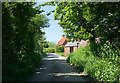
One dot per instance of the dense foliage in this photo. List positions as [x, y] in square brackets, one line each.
[59, 49]
[46, 45]
[103, 69]
[50, 50]
[22, 39]
[95, 20]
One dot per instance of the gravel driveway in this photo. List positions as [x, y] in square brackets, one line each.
[54, 68]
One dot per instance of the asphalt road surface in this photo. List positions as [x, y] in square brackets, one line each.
[54, 68]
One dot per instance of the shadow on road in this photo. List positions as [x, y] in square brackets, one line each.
[54, 68]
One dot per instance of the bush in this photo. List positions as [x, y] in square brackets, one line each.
[50, 50]
[22, 69]
[105, 68]
[78, 59]
[59, 49]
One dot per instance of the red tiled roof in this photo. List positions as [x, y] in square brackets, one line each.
[62, 42]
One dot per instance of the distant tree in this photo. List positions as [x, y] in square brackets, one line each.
[38, 22]
[52, 44]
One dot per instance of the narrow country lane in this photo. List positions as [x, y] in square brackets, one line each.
[55, 68]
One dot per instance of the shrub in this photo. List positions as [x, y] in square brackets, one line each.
[22, 69]
[59, 49]
[50, 50]
[102, 68]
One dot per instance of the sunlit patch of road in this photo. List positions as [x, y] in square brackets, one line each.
[54, 57]
[55, 68]
[69, 74]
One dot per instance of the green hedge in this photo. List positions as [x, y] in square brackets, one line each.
[50, 50]
[21, 70]
[105, 68]
[59, 49]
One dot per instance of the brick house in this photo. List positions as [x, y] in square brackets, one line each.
[73, 46]
[62, 41]
[70, 47]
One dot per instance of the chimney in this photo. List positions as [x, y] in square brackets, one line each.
[63, 36]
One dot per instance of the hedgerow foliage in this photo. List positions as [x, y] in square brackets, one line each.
[21, 45]
[59, 49]
[50, 50]
[103, 68]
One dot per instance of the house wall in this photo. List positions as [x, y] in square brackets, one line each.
[83, 43]
[67, 50]
[74, 49]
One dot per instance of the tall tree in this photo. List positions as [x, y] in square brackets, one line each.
[89, 20]
[21, 29]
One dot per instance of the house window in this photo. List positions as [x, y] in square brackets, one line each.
[71, 49]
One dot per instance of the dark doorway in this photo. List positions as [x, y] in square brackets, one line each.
[71, 49]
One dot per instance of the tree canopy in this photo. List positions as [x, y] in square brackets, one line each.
[22, 39]
[89, 20]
